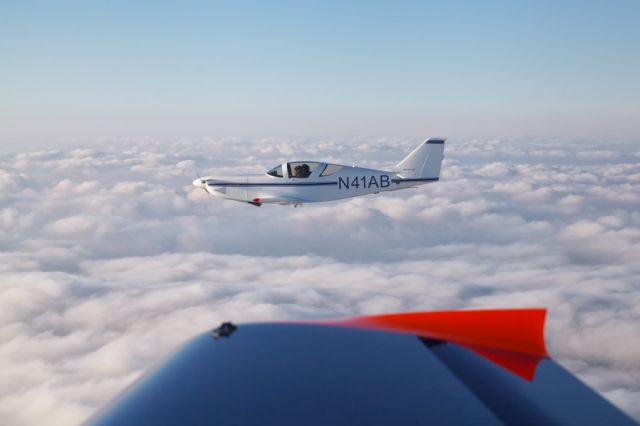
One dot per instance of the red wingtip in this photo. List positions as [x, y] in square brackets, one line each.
[515, 330]
[512, 338]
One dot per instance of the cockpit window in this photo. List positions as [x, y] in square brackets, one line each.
[301, 169]
[330, 169]
[276, 171]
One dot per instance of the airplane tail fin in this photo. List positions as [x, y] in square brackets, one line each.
[424, 162]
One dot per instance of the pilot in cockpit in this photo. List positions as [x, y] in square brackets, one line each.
[301, 171]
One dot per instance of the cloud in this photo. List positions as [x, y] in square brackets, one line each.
[111, 258]
[70, 225]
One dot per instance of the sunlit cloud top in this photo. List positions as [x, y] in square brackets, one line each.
[111, 258]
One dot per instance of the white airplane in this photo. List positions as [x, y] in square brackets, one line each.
[298, 182]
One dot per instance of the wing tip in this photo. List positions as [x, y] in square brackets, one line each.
[514, 330]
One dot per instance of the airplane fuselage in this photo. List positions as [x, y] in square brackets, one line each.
[298, 182]
[348, 182]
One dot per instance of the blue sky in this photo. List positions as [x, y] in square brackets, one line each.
[318, 69]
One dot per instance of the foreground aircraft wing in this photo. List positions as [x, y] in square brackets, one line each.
[434, 368]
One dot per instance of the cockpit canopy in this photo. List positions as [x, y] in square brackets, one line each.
[276, 171]
[304, 169]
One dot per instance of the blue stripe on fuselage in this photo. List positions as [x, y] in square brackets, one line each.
[308, 183]
[414, 180]
[272, 184]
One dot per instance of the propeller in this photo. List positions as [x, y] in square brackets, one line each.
[202, 181]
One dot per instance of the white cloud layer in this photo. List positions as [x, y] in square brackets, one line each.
[110, 259]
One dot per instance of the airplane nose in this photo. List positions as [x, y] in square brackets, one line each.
[199, 183]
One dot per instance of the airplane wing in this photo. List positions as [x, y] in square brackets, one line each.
[455, 367]
[284, 201]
